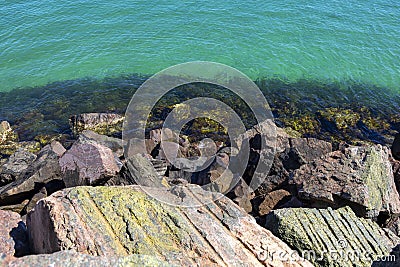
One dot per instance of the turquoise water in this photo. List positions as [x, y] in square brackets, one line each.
[46, 41]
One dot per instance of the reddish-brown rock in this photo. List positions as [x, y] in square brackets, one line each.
[88, 163]
[361, 177]
[119, 221]
[264, 204]
[13, 238]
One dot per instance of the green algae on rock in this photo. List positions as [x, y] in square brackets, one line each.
[329, 237]
[75, 259]
[121, 221]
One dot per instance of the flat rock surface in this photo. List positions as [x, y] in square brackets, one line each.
[120, 221]
[75, 259]
[321, 235]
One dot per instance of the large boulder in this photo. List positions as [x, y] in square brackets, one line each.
[101, 123]
[44, 171]
[75, 259]
[115, 144]
[329, 237]
[88, 163]
[13, 235]
[119, 221]
[361, 177]
[16, 166]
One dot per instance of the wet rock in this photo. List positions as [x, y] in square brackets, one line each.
[116, 221]
[115, 144]
[16, 166]
[361, 177]
[396, 147]
[45, 170]
[74, 259]
[264, 204]
[101, 123]
[13, 235]
[8, 139]
[322, 235]
[88, 163]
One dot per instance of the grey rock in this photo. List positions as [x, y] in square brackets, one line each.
[16, 166]
[43, 171]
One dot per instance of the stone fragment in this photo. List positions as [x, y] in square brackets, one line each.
[264, 204]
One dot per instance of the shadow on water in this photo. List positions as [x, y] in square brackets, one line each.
[335, 111]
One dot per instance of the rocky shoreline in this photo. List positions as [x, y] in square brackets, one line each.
[77, 198]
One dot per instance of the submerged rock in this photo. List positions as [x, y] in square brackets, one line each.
[331, 237]
[101, 123]
[120, 221]
[8, 139]
[361, 177]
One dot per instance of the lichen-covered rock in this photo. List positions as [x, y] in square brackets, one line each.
[101, 123]
[120, 221]
[88, 163]
[74, 259]
[361, 177]
[8, 139]
[13, 236]
[331, 237]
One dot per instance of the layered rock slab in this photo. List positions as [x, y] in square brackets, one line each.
[330, 237]
[75, 259]
[120, 221]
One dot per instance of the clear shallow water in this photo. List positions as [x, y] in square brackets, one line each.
[46, 41]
